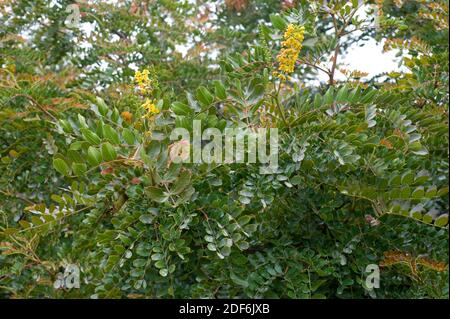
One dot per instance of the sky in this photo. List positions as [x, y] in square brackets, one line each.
[369, 58]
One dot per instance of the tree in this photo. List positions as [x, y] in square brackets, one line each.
[89, 177]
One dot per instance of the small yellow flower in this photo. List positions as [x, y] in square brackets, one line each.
[143, 80]
[150, 108]
[291, 47]
[13, 153]
[279, 75]
[11, 68]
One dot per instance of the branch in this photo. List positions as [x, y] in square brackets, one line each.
[40, 107]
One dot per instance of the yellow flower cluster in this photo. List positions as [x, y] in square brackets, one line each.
[143, 80]
[291, 46]
[150, 108]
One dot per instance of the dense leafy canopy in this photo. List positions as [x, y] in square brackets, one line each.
[86, 177]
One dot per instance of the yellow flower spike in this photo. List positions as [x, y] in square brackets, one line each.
[291, 47]
[150, 108]
[143, 80]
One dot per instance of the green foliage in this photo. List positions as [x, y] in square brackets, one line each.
[86, 177]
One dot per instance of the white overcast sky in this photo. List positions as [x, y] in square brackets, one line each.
[370, 58]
